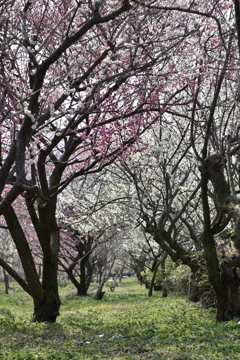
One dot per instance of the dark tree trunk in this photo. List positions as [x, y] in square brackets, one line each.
[164, 290]
[210, 253]
[223, 278]
[103, 274]
[99, 294]
[47, 308]
[155, 269]
[81, 291]
[231, 283]
[85, 278]
[193, 289]
[154, 273]
[83, 285]
[80, 286]
[164, 287]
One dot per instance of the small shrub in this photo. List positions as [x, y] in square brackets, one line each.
[178, 279]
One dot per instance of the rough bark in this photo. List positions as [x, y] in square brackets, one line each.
[223, 277]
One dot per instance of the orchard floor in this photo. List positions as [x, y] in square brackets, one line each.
[126, 324]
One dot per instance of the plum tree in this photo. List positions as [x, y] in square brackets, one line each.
[80, 82]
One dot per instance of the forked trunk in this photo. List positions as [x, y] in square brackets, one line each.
[80, 286]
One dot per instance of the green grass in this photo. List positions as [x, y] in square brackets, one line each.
[126, 324]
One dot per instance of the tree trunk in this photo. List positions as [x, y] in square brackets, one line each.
[82, 285]
[224, 278]
[47, 308]
[45, 294]
[154, 273]
[210, 253]
[82, 289]
[193, 292]
[103, 274]
[231, 283]
[164, 290]
[155, 269]
[164, 287]
[99, 294]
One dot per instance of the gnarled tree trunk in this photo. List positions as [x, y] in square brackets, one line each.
[223, 277]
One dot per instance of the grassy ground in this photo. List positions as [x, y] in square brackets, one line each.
[126, 324]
